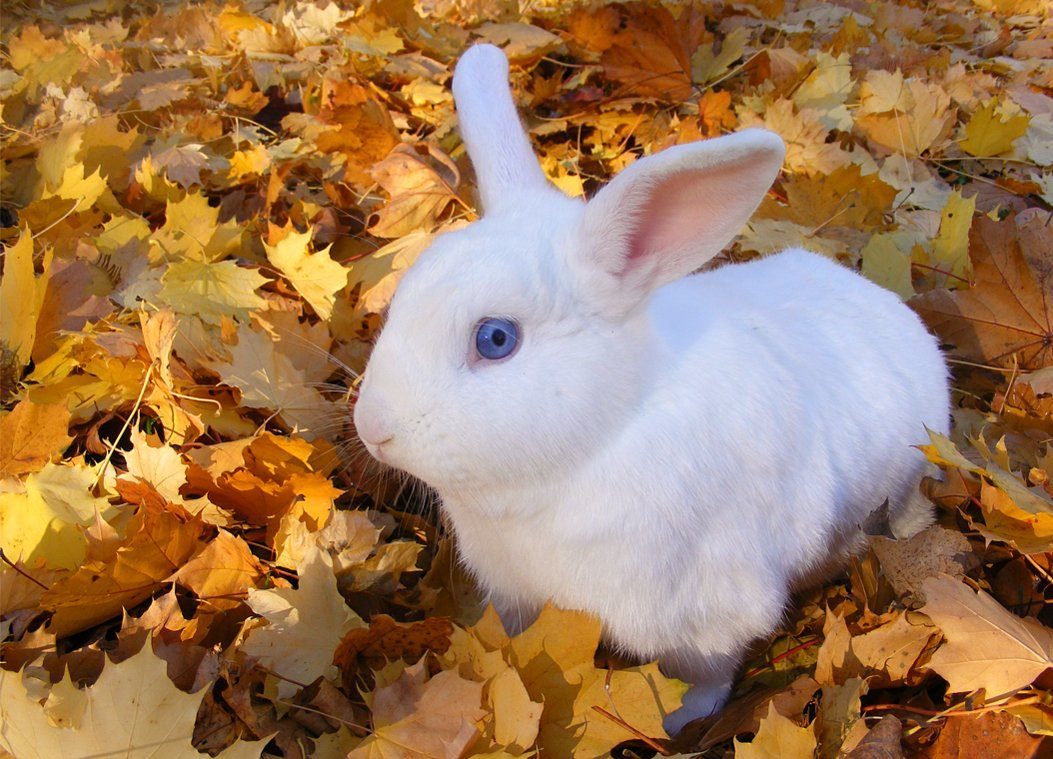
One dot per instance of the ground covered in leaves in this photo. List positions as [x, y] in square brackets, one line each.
[205, 210]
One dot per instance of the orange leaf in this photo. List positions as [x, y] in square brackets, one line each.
[161, 538]
[30, 435]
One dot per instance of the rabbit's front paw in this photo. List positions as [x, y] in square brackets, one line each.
[700, 701]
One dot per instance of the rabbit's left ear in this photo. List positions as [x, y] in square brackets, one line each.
[668, 214]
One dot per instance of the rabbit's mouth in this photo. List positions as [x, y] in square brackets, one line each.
[378, 451]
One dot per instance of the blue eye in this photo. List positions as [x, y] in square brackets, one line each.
[496, 338]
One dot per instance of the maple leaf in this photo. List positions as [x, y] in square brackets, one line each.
[423, 719]
[159, 540]
[75, 296]
[933, 551]
[304, 626]
[651, 54]
[21, 298]
[30, 435]
[827, 89]
[246, 164]
[807, 149]
[386, 640]
[991, 734]
[159, 466]
[778, 738]
[420, 190]
[133, 710]
[182, 164]
[316, 276]
[986, 646]
[886, 260]
[269, 379]
[989, 133]
[222, 572]
[42, 524]
[950, 249]
[192, 230]
[554, 658]
[211, 290]
[1006, 311]
[892, 650]
[906, 116]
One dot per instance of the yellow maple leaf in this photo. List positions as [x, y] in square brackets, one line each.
[986, 646]
[421, 185]
[990, 132]
[316, 276]
[58, 154]
[554, 659]
[304, 625]
[269, 379]
[159, 466]
[211, 290]
[85, 190]
[886, 261]
[159, 540]
[916, 115]
[21, 297]
[192, 230]
[249, 163]
[778, 737]
[42, 524]
[950, 249]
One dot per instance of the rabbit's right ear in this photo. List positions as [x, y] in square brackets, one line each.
[666, 215]
[504, 160]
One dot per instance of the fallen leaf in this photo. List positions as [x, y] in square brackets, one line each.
[160, 539]
[882, 741]
[21, 298]
[421, 183]
[990, 133]
[933, 551]
[778, 738]
[986, 646]
[430, 719]
[133, 710]
[316, 276]
[304, 626]
[992, 734]
[1005, 313]
[31, 435]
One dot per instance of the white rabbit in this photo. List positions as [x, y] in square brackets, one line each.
[673, 453]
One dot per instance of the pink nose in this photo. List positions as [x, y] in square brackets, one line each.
[373, 420]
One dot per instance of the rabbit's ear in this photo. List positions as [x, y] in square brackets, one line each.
[667, 214]
[504, 161]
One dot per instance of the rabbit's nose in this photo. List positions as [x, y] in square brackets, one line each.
[373, 420]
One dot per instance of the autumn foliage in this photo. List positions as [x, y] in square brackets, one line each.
[206, 209]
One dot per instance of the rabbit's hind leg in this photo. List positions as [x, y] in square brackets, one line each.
[711, 677]
[912, 512]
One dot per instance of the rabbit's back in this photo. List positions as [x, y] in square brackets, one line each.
[786, 395]
[798, 391]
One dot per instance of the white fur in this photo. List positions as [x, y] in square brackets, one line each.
[673, 453]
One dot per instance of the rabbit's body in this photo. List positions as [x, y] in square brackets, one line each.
[673, 453]
[824, 414]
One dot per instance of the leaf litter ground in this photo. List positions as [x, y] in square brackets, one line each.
[205, 211]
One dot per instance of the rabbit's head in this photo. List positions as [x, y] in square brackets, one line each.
[518, 346]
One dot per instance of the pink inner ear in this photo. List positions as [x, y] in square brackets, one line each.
[684, 214]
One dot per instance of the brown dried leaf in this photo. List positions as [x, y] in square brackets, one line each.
[1007, 314]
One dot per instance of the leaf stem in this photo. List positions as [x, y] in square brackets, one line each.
[651, 742]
